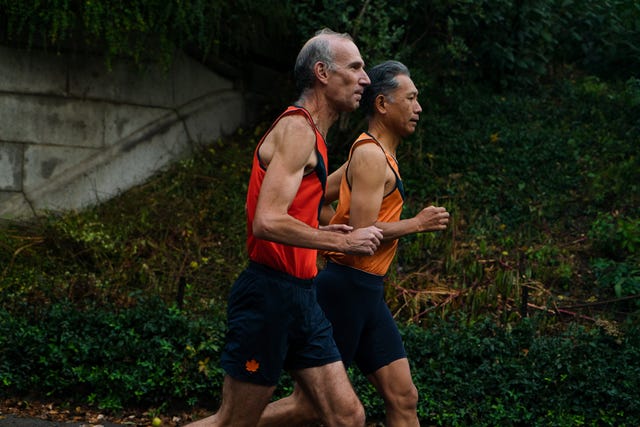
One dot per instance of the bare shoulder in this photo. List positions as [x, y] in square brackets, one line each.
[290, 131]
[293, 126]
[370, 153]
[368, 165]
[292, 140]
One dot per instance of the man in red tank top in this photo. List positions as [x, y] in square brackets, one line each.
[350, 288]
[274, 320]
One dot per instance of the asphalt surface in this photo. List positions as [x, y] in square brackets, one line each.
[13, 421]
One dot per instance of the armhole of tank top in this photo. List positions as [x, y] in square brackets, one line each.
[372, 140]
[303, 111]
[369, 140]
[300, 111]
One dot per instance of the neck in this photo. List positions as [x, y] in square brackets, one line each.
[388, 140]
[323, 116]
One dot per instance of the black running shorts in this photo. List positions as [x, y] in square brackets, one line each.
[274, 323]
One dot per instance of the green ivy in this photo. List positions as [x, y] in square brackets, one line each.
[147, 354]
[507, 42]
[467, 373]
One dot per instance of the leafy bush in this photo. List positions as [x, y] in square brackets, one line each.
[542, 185]
[144, 30]
[616, 263]
[615, 236]
[507, 43]
[467, 373]
[483, 375]
[504, 42]
[186, 239]
[109, 357]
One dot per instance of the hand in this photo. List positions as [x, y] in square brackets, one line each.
[363, 241]
[432, 218]
[338, 228]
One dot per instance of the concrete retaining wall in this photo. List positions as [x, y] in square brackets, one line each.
[73, 133]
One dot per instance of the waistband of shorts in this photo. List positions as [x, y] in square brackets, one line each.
[359, 275]
[256, 267]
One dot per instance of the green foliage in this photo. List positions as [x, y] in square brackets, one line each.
[623, 277]
[615, 236]
[187, 237]
[506, 42]
[616, 263]
[142, 30]
[541, 226]
[524, 177]
[486, 375]
[542, 186]
[467, 373]
[519, 150]
[148, 354]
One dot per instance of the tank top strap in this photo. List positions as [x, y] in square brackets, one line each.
[366, 138]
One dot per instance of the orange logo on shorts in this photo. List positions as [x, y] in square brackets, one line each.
[252, 365]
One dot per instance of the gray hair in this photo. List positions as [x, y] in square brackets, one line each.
[316, 49]
[383, 82]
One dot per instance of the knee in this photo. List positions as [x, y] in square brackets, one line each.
[404, 400]
[359, 417]
[351, 416]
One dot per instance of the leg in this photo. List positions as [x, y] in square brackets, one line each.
[293, 410]
[242, 404]
[400, 395]
[330, 390]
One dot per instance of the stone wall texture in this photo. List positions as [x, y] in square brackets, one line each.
[74, 133]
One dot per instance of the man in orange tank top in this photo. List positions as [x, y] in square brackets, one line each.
[350, 288]
[274, 320]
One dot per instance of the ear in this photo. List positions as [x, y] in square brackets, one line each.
[380, 104]
[321, 71]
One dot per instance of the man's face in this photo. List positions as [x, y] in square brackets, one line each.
[403, 107]
[347, 78]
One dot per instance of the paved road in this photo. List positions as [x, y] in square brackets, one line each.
[13, 421]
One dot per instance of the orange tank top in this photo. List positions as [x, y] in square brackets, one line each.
[293, 260]
[390, 211]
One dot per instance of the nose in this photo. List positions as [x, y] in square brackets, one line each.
[418, 108]
[364, 79]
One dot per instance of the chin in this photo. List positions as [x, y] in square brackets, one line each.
[353, 107]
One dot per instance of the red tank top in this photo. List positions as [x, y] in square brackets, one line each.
[296, 261]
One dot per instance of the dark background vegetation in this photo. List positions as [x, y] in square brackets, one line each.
[524, 312]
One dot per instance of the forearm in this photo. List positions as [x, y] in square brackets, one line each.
[430, 218]
[395, 230]
[291, 231]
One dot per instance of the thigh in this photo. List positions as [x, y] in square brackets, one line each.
[329, 388]
[393, 379]
[242, 403]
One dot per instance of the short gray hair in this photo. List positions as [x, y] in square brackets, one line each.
[317, 49]
[383, 82]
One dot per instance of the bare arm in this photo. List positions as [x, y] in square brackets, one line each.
[368, 189]
[431, 218]
[293, 144]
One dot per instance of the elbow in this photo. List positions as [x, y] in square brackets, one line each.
[261, 229]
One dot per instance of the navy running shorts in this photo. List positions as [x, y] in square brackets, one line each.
[274, 323]
[363, 327]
